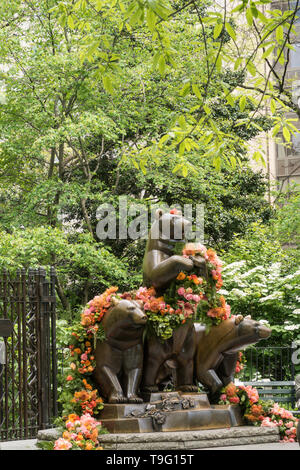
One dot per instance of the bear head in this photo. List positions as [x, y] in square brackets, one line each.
[170, 226]
[129, 310]
[250, 331]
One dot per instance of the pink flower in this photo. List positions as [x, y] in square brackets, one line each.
[268, 423]
[189, 296]
[84, 357]
[196, 298]
[234, 399]
[62, 444]
[223, 397]
[181, 291]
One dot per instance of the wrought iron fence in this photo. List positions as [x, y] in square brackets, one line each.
[28, 373]
[272, 363]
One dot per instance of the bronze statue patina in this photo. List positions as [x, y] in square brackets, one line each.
[160, 267]
[161, 264]
[217, 350]
[119, 358]
[174, 354]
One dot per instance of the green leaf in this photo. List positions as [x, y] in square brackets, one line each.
[268, 52]
[249, 17]
[151, 19]
[238, 62]
[251, 68]
[217, 30]
[107, 83]
[162, 64]
[230, 99]
[286, 134]
[242, 102]
[230, 31]
[219, 63]
[279, 33]
[273, 106]
[70, 22]
[185, 89]
[196, 91]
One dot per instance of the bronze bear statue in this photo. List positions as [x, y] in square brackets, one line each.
[217, 350]
[161, 265]
[119, 358]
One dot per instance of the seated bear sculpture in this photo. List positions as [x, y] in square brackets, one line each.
[119, 358]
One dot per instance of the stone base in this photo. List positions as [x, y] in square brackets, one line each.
[167, 412]
[241, 435]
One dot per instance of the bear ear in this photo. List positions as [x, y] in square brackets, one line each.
[140, 304]
[114, 300]
[238, 319]
[158, 213]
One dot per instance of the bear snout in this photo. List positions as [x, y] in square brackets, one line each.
[139, 318]
[264, 332]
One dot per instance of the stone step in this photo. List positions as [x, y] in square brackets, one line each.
[242, 435]
[201, 439]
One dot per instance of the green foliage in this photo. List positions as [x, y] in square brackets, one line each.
[212, 35]
[83, 266]
[260, 280]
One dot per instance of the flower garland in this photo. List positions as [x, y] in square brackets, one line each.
[190, 297]
[81, 433]
[260, 413]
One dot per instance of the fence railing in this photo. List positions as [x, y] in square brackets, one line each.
[28, 371]
[274, 363]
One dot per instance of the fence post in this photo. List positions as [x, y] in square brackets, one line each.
[53, 339]
[44, 348]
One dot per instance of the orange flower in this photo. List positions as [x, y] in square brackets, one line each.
[180, 276]
[77, 350]
[89, 446]
[87, 386]
[72, 417]
[230, 390]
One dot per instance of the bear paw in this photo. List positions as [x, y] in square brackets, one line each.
[134, 399]
[117, 398]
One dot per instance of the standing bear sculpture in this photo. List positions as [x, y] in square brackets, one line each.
[119, 358]
[217, 350]
[161, 266]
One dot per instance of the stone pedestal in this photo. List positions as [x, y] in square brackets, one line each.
[165, 412]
